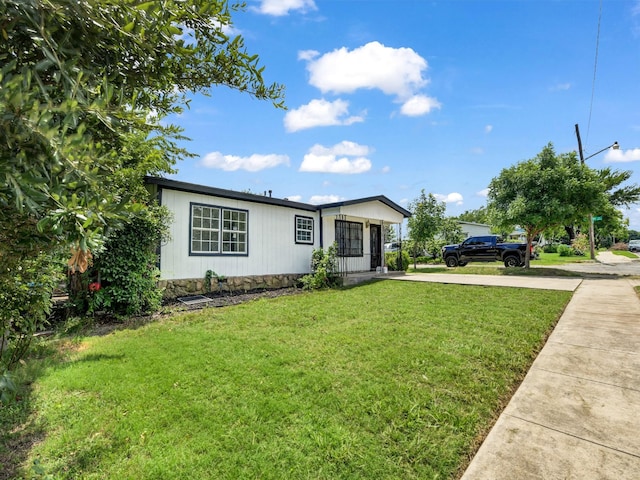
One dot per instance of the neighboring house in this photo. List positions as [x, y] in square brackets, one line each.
[470, 229]
[256, 241]
[518, 235]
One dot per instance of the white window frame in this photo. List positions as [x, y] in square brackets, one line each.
[304, 229]
[224, 230]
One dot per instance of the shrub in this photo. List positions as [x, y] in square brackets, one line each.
[550, 248]
[580, 244]
[324, 268]
[434, 247]
[565, 251]
[7, 388]
[605, 242]
[124, 277]
[26, 286]
[425, 260]
[620, 246]
[391, 260]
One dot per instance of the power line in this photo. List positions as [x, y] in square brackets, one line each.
[595, 71]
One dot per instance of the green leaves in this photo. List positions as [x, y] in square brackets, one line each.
[544, 192]
[427, 216]
[78, 83]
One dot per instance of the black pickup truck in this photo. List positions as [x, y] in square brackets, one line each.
[486, 248]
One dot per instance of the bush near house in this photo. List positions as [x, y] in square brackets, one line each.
[25, 303]
[391, 260]
[123, 279]
[324, 268]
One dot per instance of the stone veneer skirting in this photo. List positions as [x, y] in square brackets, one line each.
[195, 286]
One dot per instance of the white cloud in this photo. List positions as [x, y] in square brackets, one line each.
[483, 193]
[326, 159]
[319, 113]
[320, 199]
[386, 169]
[488, 128]
[419, 105]
[453, 197]
[253, 163]
[394, 71]
[294, 198]
[307, 54]
[559, 87]
[622, 156]
[278, 8]
[477, 150]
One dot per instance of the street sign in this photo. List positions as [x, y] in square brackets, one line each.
[596, 219]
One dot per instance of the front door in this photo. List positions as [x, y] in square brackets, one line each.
[376, 246]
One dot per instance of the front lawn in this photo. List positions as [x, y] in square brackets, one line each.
[384, 380]
[555, 259]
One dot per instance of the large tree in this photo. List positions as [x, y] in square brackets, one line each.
[479, 215]
[83, 85]
[78, 78]
[544, 192]
[618, 195]
[427, 216]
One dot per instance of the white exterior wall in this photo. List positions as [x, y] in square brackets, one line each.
[370, 213]
[474, 229]
[270, 234]
[349, 264]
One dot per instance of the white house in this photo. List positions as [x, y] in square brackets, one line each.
[256, 241]
[471, 229]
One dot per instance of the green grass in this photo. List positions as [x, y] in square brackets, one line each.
[625, 253]
[555, 259]
[385, 380]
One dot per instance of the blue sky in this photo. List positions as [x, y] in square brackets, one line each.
[392, 97]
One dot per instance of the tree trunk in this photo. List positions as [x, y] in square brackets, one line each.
[571, 231]
[527, 254]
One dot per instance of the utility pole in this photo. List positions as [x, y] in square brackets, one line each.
[615, 146]
[592, 236]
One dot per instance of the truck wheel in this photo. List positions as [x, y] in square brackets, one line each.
[462, 264]
[512, 261]
[451, 261]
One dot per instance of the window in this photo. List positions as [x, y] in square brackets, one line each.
[217, 230]
[349, 238]
[304, 229]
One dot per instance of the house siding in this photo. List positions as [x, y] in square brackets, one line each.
[470, 229]
[271, 241]
[368, 214]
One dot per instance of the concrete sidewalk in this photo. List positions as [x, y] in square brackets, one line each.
[576, 415]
